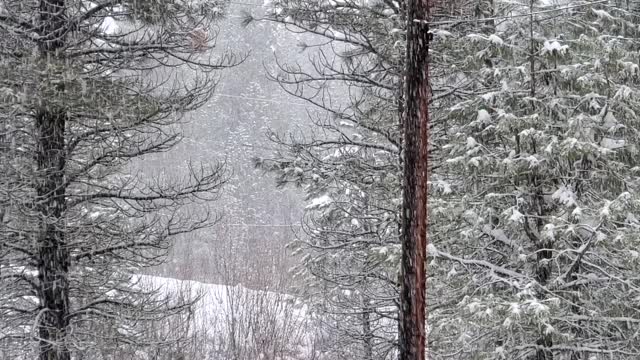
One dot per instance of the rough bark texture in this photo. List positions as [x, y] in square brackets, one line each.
[52, 256]
[367, 333]
[414, 215]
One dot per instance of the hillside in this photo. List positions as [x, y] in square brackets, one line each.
[236, 322]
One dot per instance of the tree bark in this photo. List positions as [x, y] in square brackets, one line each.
[366, 332]
[52, 255]
[414, 214]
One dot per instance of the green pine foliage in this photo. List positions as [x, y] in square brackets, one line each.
[534, 210]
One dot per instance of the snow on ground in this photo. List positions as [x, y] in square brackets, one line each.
[259, 319]
[218, 299]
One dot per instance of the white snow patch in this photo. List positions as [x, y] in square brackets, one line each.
[602, 14]
[554, 47]
[605, 210]
[483, 116]
[440, 33]
[516, 216]
[612, 144]
[347, 123]
[623, 93]
[565, 196]
[319, 202]
[444, 186]
[109, 26]
[218, 302]
[495, 39]
[577, 212]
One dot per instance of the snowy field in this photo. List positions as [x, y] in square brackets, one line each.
[233, 321]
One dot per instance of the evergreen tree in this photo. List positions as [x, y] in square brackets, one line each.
[534, 225]
[348, 163]
[88, 88]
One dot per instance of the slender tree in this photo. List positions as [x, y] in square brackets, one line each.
[414, 205]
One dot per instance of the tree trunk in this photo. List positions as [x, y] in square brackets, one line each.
[52, 255]
[414, 211]
[367, 333]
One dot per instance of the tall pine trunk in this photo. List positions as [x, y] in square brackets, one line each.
[52, 254]
[367, 332]
[414, 211]
[53, 257]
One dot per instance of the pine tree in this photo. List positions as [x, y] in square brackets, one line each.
[348, 163]
[535, 224]
[87, 88]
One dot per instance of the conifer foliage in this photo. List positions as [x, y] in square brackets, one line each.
[533, 172]
[87, 88]
[535, 222]
[348, 165]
